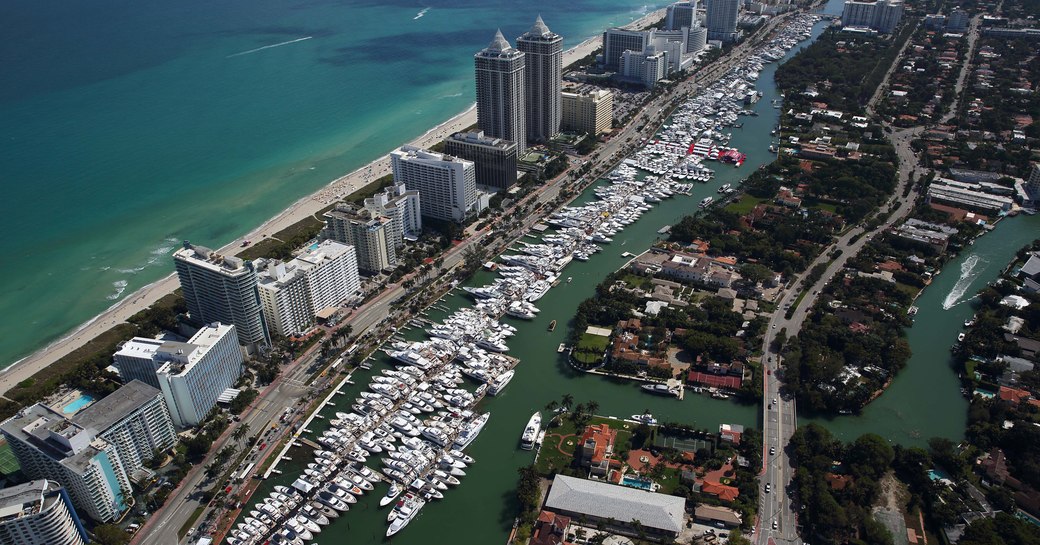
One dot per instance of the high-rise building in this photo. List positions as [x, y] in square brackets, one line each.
[721, 20]
[681, 15]
[50, 446]
[293, 293]
[1033, 183]
[648, 66]
[191, 375]
[446, 184]
[493, 158]
[958, 20]
[588, 112]
[219, 288]
[39, 513]
[697, 40]
[543, 75]
[135, 419]
[501, 106]
[618, 40]
[880, 15]
[674, 44]
[403, 207]
[369, 233]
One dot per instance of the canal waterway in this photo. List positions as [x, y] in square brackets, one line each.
[482, 509]
[923, 401]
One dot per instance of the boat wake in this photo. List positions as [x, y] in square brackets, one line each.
[239, 54]
[968, 275]
[421, 13]
[454, 95]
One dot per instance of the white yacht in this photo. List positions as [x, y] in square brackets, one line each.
[530, 435]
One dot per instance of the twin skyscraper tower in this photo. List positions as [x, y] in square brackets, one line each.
[518, 89]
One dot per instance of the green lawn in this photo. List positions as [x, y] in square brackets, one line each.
[550, 457]
[590, 349]
[745, 204]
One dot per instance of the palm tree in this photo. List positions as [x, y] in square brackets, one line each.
[566, 401]
[592, 407]
[551, 407]
[241, 432]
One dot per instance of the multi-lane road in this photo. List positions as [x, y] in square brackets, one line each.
[289, 389]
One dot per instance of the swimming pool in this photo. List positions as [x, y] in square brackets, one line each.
[637, 482]
[82, 401]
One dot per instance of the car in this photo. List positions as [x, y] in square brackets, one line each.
[774, 525]
[772, 451]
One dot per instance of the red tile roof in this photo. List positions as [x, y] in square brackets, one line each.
[722, 491]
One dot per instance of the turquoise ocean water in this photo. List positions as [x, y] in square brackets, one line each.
[126, 127]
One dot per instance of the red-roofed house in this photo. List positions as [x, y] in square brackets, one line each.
[721, 491]
[597, 446]
[731, 433]
[1013, 395]
[550, 529]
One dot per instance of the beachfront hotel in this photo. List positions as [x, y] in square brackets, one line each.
[618, 40]
[543, 75]
[39, 512]
[370, 234]
[447, 185]
[681, 15]
[293, 293]
[403, 207]
[493, 158]
[191, 375]
[219, 288]
[50, 446]
[135, 419]
[501, 110]
[590, 112]
[721, 20]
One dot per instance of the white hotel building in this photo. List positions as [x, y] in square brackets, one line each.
[447, 185]
[191, 375]
[293, 293]
[39, 513]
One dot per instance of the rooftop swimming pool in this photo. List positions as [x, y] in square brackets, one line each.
[82, 401]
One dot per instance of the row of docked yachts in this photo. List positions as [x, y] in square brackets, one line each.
[699, 127]
[418, 418]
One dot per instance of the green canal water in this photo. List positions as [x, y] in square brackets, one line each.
[923, 401]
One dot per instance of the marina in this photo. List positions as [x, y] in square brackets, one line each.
[541, 377]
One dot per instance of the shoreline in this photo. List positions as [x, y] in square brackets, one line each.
[308, 205]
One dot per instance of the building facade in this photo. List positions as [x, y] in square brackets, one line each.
[293, 293]
[681, 15]
[958, 20]
[543, 75]
[446, 184]
[194, 374]
[493, 158]
[880, 15]
[219, 288]
[721, 20]
[403, 207]
[39, 513]
[369, 233]
[590, 112]
[501, 106]
[648, 66]
[135, 419]
[50, 446]
[618, 40]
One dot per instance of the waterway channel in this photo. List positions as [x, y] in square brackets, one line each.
[923, 401]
